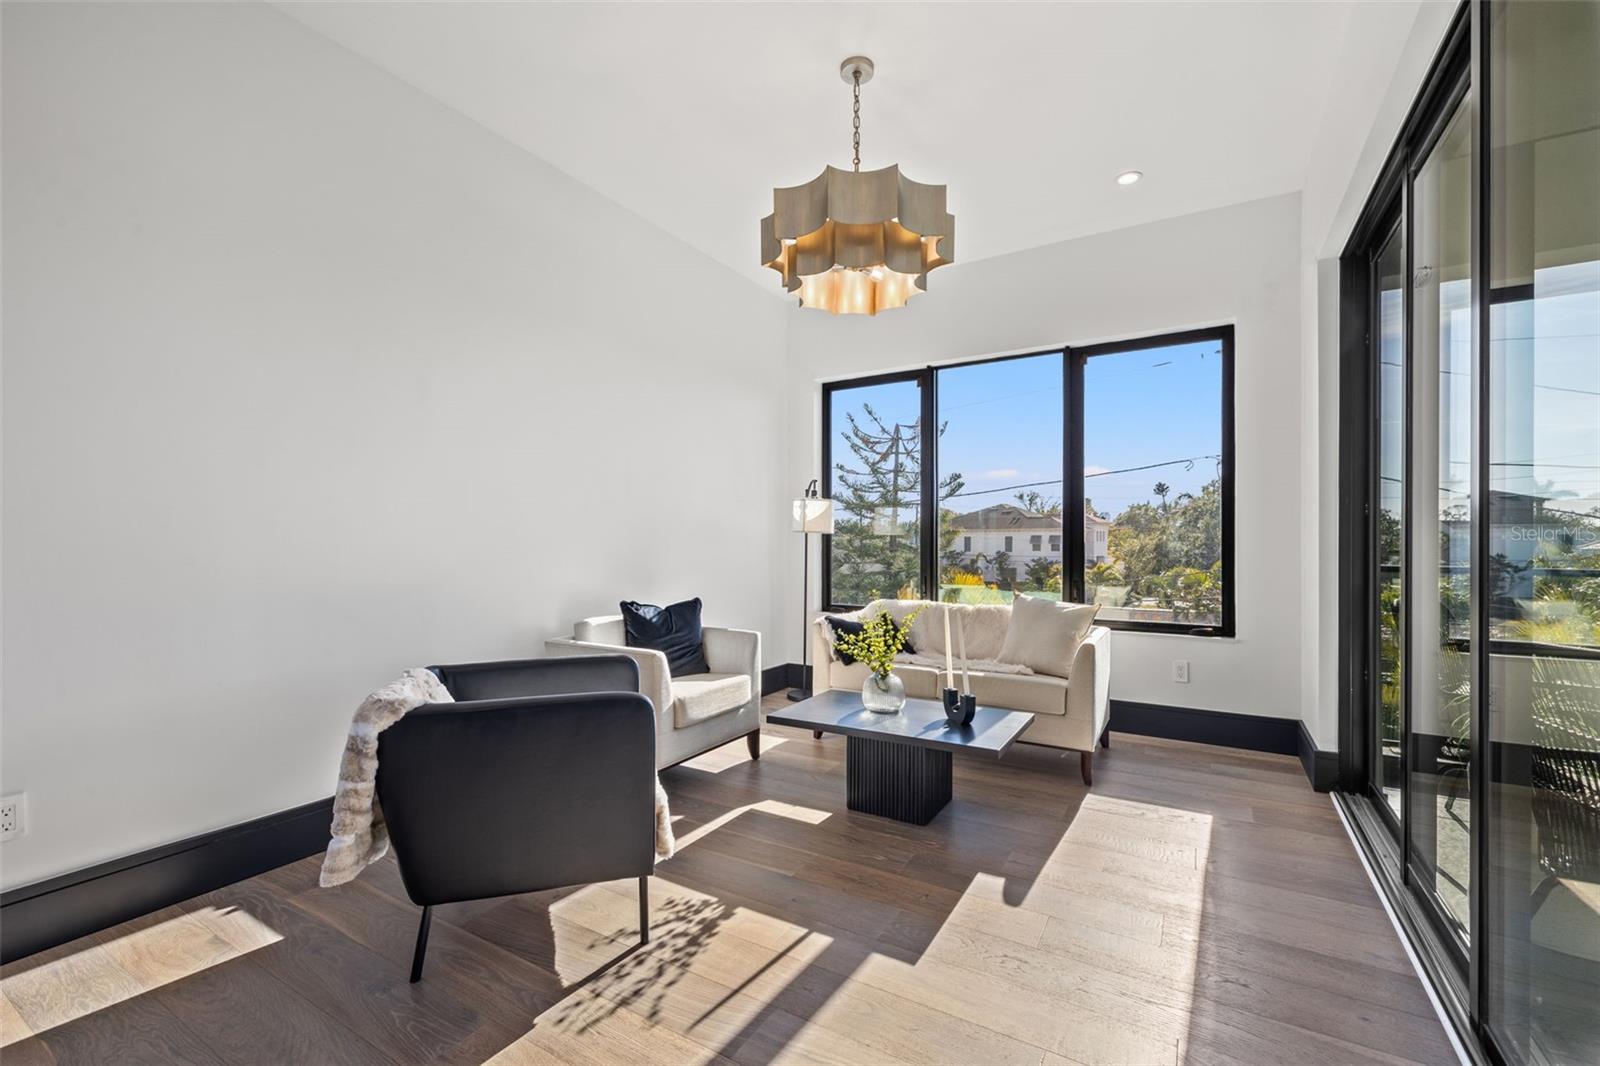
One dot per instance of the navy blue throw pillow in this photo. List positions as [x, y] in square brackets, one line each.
[673, 630]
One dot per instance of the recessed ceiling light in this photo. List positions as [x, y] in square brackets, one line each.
[1128, 177]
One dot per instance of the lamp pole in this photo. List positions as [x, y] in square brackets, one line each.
[800, 692]
[809, 510]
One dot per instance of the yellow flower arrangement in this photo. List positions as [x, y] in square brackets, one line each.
[879, 641]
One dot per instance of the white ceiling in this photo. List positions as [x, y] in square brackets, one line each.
[688, 114]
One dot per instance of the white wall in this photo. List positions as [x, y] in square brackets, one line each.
[1386, 54]
[308, 379]
[1236, 264]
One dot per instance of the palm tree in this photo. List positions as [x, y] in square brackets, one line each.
[1161, 489]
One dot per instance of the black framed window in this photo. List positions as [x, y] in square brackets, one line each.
[1156, 430]
[873, 449]
[968, 482]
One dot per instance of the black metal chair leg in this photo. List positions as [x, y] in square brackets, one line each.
[644, 909]
[422, 944]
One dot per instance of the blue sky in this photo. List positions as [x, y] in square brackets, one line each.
[1004, 423]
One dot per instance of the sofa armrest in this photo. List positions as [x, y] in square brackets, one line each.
[733, 651]
[655, 680]
[819, 637]
[1089, 688]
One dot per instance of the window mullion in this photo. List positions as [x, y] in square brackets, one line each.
[1072, 474]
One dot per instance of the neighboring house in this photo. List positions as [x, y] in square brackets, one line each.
[1096, 539]
[1023, 535]
[1526, 528]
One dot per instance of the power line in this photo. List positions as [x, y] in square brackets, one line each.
[1152, 466]
[1189, 462]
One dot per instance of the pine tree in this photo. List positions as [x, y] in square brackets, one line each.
[878, 493]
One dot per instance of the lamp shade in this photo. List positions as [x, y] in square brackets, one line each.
[813, 514]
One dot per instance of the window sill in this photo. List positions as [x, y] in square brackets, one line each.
[1205, 632]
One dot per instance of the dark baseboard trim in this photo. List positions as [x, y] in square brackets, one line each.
[774, 679]
[784, 675]
[50, 912]
[1321, 767]
[1278, 736]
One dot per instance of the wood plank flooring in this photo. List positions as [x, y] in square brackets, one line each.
[1198, 905]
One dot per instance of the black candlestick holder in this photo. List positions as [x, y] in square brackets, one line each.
[959, 708]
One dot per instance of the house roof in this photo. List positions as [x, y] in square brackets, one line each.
[1006, 516]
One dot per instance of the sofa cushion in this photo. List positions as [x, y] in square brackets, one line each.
[1037, 693]
[922, 682]
[698, 698]
[984, 626]
[673, 630]
[1044, 635]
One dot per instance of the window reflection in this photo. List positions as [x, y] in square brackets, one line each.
[1542, 955]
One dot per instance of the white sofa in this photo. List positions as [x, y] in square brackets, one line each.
[1071, 709]
[694, 712]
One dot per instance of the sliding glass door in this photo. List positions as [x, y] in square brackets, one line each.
[1471, 528]
[1542, 861]
[1388, 534]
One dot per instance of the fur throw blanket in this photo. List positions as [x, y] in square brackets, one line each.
[359, 837]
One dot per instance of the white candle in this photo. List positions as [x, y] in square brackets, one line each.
[949, 670]
[961, 638]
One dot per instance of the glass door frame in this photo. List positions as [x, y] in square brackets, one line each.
[1395, 225]
[1443, 112]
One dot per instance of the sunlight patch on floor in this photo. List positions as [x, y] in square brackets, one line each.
[36, 999]
[1076, 957]
[1089, 954]
[709, 973]
[592, 927]
[732, 754]
[809, 815]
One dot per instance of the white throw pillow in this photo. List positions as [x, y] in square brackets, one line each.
[1044, 635]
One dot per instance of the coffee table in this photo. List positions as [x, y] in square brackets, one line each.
[899, 765]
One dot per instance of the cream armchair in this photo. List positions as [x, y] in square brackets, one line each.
[694, 712]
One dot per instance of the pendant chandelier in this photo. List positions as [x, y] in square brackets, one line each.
[853, 242]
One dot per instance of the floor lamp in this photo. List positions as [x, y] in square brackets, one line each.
[812, 514]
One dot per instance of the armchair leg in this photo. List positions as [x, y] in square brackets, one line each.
[816, 734]
[753, 740]
[1086, 764]
[422, 944]
[1105, 738]
[644, 909]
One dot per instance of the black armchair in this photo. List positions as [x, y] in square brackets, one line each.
[541, 775]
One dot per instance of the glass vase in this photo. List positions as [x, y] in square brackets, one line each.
[883, 693]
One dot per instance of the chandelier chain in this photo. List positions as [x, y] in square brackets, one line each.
[855, 120]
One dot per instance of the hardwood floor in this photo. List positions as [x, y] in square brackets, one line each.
[1198, 905]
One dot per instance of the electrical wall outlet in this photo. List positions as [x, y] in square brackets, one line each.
[13, 815]
[1180, 671]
